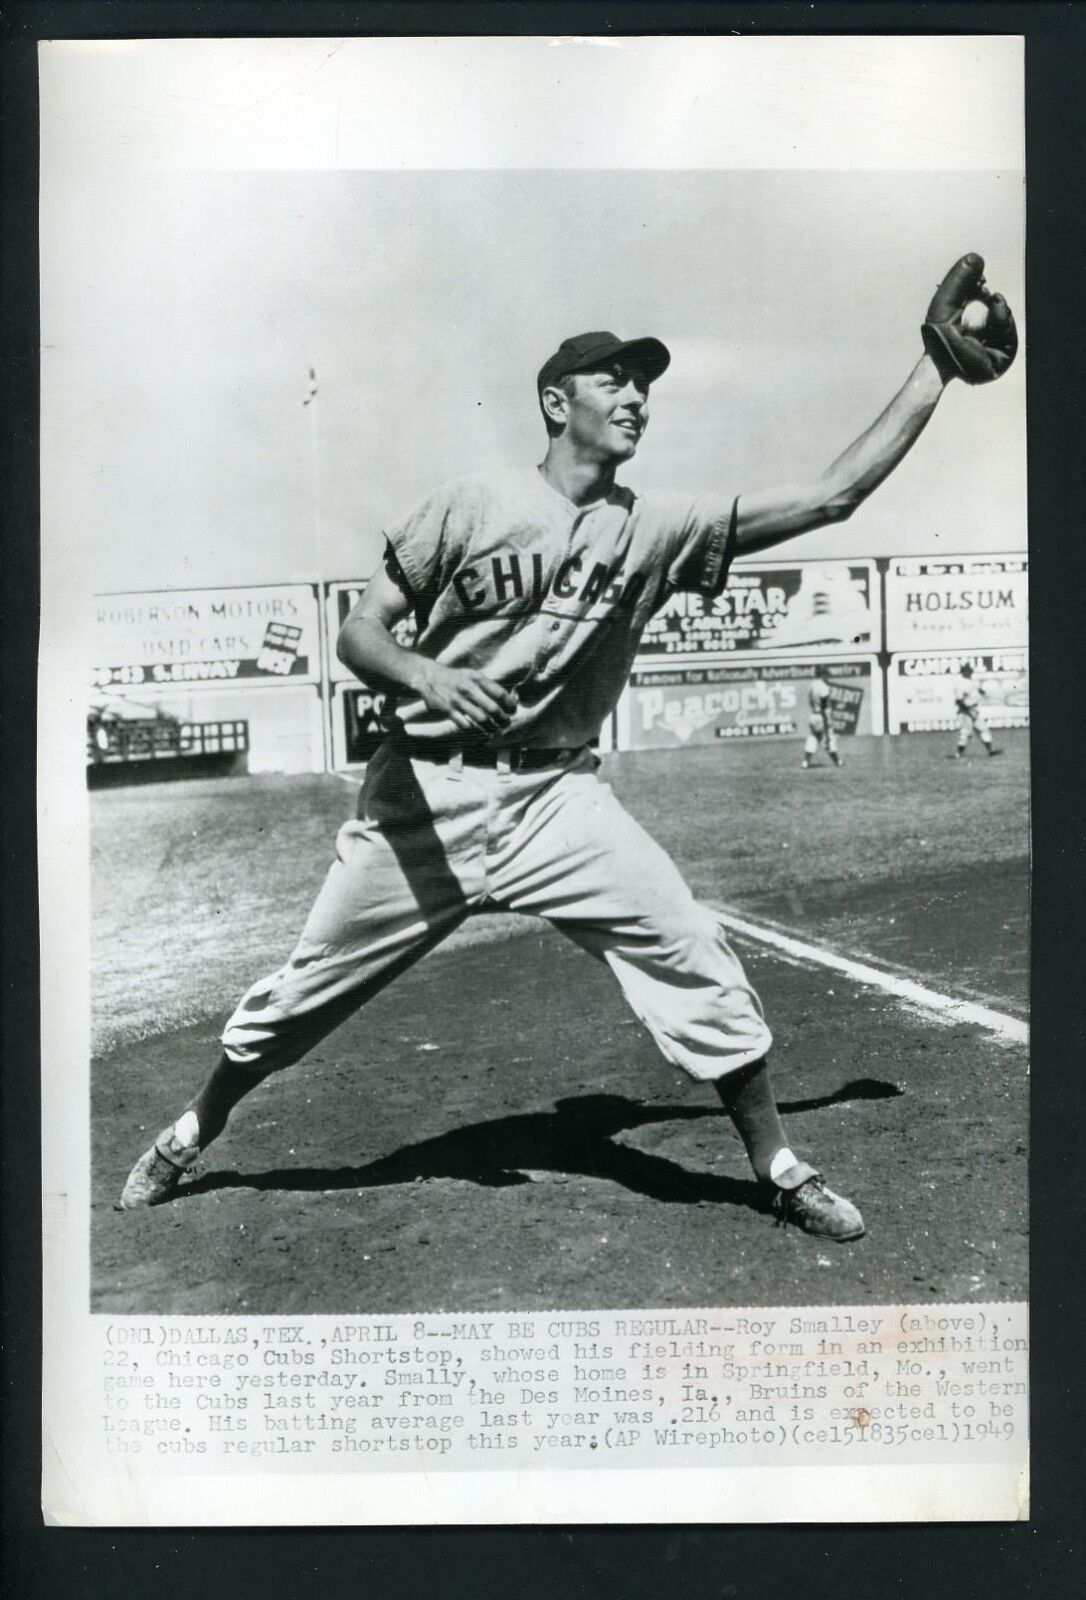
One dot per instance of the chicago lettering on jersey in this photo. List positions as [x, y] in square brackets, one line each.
[518, 583]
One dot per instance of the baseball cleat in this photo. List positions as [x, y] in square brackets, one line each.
[995, 750]
[158, 1171]
[816, 1209]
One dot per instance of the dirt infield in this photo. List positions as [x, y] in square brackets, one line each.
[496, 1131]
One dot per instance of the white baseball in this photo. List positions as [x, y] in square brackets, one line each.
[974, 316]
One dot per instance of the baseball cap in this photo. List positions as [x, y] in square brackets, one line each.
[586, 351]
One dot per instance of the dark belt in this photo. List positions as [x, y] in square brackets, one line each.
[521, 758]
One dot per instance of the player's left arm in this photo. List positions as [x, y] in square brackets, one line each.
[767, 517]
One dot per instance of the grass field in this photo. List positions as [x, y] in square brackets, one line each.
[496, 1130]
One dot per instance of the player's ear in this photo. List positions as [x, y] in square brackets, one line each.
[553, 402]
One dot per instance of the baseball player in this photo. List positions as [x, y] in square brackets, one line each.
[530, 590]
[820, 729]
[971, 718]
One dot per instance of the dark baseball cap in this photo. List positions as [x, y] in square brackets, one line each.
[587, 352]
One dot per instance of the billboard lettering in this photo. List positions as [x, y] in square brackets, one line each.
[357, 726]
[810, 606]
[922, 689]
[704, 705]
[260, 634]
[957, 603]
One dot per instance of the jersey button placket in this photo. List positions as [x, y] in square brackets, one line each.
[549, 645]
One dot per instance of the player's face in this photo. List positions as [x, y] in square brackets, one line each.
[606, 414]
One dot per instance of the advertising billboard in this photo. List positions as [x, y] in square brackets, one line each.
[264, 634]
[957, 603]
[340, 600]
[356, 723]
[921, 689]
[666, 708]
[813, 606]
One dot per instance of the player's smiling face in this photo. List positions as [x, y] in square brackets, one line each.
[606, 414]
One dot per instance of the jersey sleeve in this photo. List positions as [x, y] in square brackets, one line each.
[422, 547]
[702, 532]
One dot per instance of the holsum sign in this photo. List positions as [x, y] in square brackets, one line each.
[957, 603]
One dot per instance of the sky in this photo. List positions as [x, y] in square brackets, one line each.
[184, 309]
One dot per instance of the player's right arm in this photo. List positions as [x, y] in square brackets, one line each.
[769, 516]
[366, 645]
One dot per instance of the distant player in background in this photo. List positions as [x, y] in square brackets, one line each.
[971, 718]
[819, 723]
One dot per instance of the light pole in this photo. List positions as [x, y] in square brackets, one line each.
[324, 690]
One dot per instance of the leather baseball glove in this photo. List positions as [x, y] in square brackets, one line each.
[977, 358]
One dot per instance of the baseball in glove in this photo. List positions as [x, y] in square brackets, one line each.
[976, 358]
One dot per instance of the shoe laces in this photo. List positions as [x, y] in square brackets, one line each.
[785, 1199]
[174, 1156]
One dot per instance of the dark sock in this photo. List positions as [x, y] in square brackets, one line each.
[227, 1084]
[747, 1097]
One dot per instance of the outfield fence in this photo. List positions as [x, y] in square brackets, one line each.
[889, 636]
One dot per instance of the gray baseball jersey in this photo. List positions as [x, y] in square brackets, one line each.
[966, 694]
[509, 577]
[817, 696]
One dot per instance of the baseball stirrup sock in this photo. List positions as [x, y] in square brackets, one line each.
[748, 1099]
[187, 1128]
[781, 1162]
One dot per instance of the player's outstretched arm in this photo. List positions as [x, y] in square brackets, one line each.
[968, 333]
[470, 700]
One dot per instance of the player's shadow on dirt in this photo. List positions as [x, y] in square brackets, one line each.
[578, 1138]
[854, 1089]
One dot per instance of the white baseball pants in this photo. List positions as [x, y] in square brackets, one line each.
[970, 722]
[434, 842]
[819, 729]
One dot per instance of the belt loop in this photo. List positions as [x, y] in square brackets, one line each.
[505, 762]
[456, 764]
